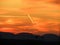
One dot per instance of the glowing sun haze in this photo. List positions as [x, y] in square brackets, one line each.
[49, 11]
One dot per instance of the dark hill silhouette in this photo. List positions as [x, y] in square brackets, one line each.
[6, 35]
[50, 38]
[22, 36]
[29, 36]
[47, 39]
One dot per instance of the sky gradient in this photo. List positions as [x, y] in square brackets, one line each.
[43, 13]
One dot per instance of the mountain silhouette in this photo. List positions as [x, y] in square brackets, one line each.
[29, 36]
[6, 35]
[50, 38]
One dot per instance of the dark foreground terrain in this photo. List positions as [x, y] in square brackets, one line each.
[26, 37]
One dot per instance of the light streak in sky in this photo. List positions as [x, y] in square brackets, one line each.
[9, 16]
[30, 18]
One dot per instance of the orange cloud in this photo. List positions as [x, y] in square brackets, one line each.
[44, 11]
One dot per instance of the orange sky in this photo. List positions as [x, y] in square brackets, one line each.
[36, 8]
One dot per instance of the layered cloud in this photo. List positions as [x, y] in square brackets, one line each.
[42, 11]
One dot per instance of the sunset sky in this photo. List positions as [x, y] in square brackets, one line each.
[42, 12]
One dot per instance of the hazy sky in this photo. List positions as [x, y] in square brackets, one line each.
[44, 8]
[30, 6]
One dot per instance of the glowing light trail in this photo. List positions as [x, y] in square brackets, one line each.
[30, 18]
[9, 16]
